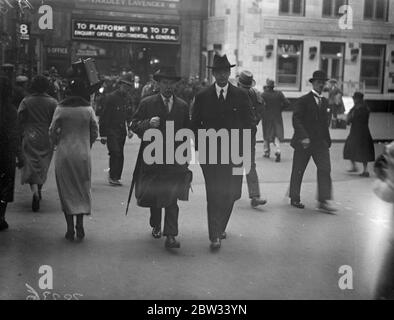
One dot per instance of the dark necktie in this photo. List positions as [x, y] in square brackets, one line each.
[319, 99]
[167, 104]
[221, 96]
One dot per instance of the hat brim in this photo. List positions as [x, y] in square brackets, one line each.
[218, 68]
[313, 79]
[158, 77]
[127, 83]
[253, 84]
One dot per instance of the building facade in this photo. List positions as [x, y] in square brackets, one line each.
[286, 40]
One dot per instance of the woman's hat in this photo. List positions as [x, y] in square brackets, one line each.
[220, 62]
[319, 75]
[269, 83]
[245, 79]
[166, 73]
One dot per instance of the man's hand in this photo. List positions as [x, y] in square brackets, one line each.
[305, 143]
[103, 140]
[130, 134]
[155, 122]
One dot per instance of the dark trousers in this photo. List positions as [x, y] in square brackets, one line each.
[321, 156]
[252, 178]
[170, 220]
[220, 201]
[115, 143]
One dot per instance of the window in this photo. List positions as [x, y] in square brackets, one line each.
[376, 9]
[332, 59]
[289, 64]
[331, 7]
[292, 7]
[372, 66]
[212, 8]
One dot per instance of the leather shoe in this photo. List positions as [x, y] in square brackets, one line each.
[171, 243]
[3, 225]
[325, 207]
[297, 204]
[156, 232]
[35, 204]
[70, 235]
[115, 183]
[80, 233]
[223, 235]
[255, 202]
[215, 245]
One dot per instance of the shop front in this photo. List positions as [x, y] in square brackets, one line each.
[126, 46]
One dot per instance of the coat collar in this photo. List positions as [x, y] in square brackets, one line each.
[74, 101]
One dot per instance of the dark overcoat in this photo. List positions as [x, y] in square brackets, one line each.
[117, 111]
[35, 116]
[275, 103]
[209, 113]
[9, 144]
[310, 121]
[159, 185]
[359, 145]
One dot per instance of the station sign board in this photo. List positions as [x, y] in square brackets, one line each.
[128, 32]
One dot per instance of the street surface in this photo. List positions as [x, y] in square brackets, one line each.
[275, 252]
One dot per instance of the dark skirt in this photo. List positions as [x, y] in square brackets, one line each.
[359, 146]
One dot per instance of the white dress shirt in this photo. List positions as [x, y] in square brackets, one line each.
[225, 90]
[170, 101]
[316, 95]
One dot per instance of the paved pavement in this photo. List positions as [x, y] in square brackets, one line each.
[381, 126]
[276, 252]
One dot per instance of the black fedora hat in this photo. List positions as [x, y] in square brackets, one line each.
[245, 79]
[319, 75]
[166, 73]
[221, 62]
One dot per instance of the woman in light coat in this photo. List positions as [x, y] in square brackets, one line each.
[73, 130]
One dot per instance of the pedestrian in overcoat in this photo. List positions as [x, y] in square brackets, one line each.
[221, 106]
[247, 83]
[9, 142]
[160, 184]
[35, 116]
[73, 130]
[359, 145]
[273, 131]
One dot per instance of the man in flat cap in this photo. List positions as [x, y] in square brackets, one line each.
[221, 107]
[114, 126]
[312, 139]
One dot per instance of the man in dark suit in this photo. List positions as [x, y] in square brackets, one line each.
[312, 139]
[114, 122]
[161, 185]
[221, 106]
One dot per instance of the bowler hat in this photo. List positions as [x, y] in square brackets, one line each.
[245, 79]
[221, 62]
[166, 73]
[319, 75]
[126, 79]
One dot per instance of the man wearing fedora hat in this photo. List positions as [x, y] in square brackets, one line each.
[246, 82]
[221, 106]
[273, 131]
[312, 139]
[161, 185]
[114, 126]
